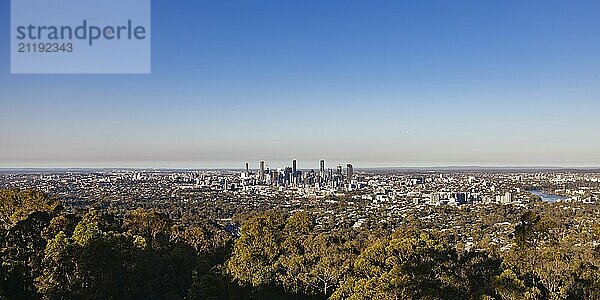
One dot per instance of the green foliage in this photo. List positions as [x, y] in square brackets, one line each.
[22, 252]
[474, 272]
[16, 205]
[59, 266]
[586, 283]
[275, 252]
[293, 261]
[256, 252]
[533, 230]
[548, 265]
[329, 258]
[403, 267]
[95, 256]
[510, 287]
[142, 254]
[149, 224]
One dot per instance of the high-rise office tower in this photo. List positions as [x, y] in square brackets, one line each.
[322, 170]
[274, 176]
[349, 172]
[288, 176]
[294, 168]
[261, 173]
[247, 169]
[294, 179]
[339, 170]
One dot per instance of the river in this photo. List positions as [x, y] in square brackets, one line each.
[548, 197]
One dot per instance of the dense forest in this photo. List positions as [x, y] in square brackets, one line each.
[48, 253]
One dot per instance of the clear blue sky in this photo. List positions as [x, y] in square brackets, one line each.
[473, 82]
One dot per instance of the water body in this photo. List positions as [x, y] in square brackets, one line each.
[548, 197]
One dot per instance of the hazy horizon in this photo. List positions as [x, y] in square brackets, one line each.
[301, 166]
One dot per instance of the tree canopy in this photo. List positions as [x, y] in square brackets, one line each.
[47, 253]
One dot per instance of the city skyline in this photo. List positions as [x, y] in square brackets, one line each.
[380, 84]
[154, 149]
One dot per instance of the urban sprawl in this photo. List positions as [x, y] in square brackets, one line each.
[336, 196]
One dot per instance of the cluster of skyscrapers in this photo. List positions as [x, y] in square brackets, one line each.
[292, 176]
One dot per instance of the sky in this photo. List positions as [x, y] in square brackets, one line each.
[373, 83]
